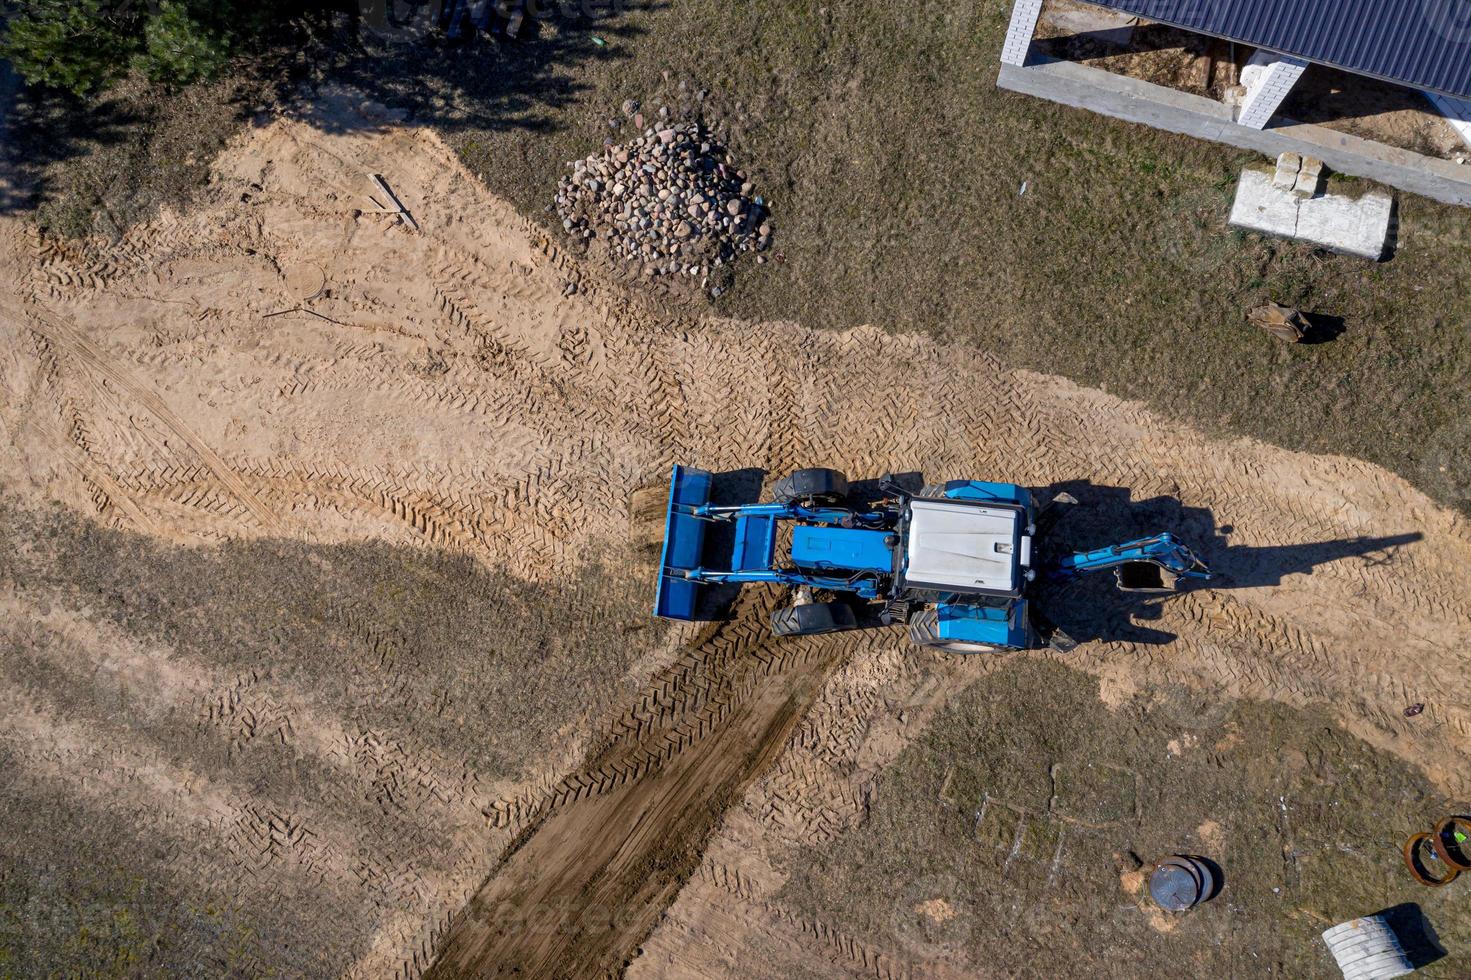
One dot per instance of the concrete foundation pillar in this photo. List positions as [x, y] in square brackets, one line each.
[1457, 112]
[1019, 35]
[1268, 86]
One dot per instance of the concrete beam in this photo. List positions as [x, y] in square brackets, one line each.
[1457, 112]
[1266, 92]
[1024, 17]
[1122, 97]
[1344, 224]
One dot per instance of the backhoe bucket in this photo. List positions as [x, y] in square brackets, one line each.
[1145, 576]
[684, 542]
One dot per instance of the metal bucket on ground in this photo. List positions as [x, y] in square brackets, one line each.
[1367, 949]
[1180, 882]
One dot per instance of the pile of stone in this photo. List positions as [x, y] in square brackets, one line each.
[667, 202]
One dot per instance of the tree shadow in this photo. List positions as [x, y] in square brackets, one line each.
[1091, 608]
[457, 65]
[39, 127]
[355, 77]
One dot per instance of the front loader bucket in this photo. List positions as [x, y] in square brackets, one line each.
[684, 542]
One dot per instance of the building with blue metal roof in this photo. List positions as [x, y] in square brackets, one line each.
[1421, 44]
[1424, 44]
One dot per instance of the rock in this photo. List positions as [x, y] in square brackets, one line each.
[659, 197]
[630, 106]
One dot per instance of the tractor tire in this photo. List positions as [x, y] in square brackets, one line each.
[924, 632]
[813, 619]
[816, 486]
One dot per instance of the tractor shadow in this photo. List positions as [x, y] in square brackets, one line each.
[1091, 608]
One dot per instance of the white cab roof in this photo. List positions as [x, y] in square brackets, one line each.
[964, 546]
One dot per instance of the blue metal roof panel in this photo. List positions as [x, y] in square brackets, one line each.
[1422, 43]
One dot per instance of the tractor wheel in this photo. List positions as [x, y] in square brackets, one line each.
[813, 618]
[816, 486]
[924, 631]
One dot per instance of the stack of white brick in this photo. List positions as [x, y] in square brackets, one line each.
[1270, 90]
[1023, 25]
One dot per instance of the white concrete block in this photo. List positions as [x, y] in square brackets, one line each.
[1356, 226]
[1262, 207]
[1309, 178]
[1288, 166]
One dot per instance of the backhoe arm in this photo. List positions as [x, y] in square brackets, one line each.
[1162, 550]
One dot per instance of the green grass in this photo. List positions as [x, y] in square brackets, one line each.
[1024, 822]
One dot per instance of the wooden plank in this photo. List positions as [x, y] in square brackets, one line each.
[401, 211]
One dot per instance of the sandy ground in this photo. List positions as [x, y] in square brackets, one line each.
[289, 362]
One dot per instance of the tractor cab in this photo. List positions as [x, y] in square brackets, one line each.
[967, 547]
[967, 563]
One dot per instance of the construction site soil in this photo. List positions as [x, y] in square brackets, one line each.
[326, 648]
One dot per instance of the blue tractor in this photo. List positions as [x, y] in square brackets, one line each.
[955, 562]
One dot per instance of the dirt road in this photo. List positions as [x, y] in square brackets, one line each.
[594, 877]
[289, 363]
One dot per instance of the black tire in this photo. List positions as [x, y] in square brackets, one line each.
[923, 627]
[813, 618]
[816, 485]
